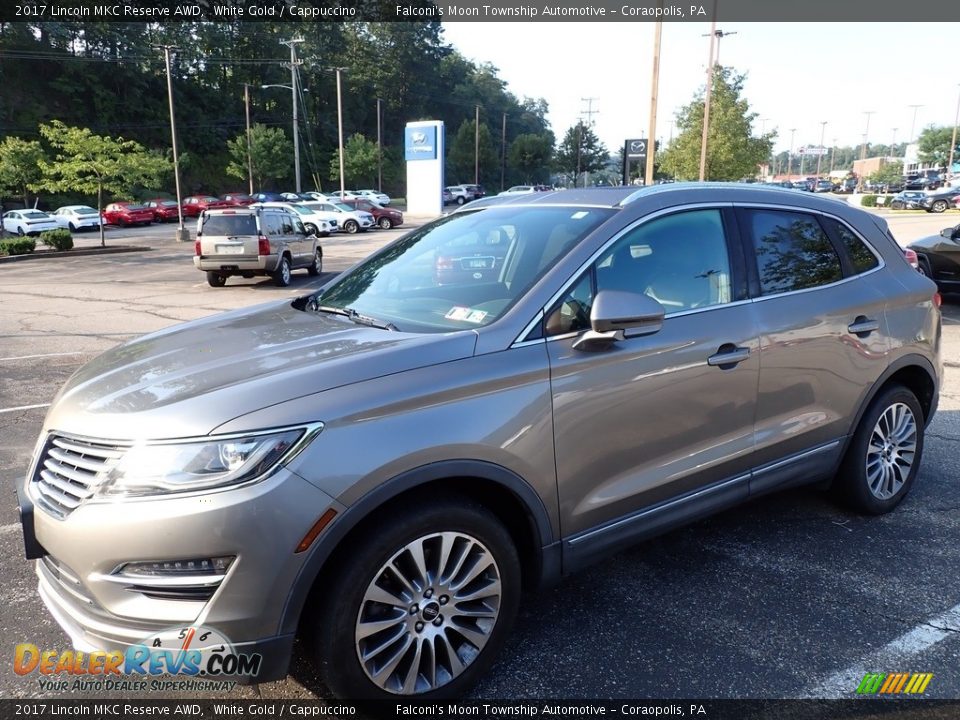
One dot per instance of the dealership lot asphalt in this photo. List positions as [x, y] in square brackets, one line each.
[787, 596]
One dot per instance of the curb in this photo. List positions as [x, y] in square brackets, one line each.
[73, 253]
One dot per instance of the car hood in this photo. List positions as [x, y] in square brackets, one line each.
[934, 243]
[190, 378]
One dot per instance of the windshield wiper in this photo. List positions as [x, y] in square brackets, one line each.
[356, 317]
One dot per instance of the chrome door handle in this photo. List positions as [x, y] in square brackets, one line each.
[863, 326]
[728, 356]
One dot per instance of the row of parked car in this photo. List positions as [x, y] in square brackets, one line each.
[350, 212]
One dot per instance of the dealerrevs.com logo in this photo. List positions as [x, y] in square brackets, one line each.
[195, 652]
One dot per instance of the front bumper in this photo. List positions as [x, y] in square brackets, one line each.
[260, 525]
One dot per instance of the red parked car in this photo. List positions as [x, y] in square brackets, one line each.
[385, 218]
[238, 198]
[196, 204]
[127, 213]
[163, 209]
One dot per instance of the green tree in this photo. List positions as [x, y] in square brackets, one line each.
[933, 145]
[359, 161]
[270, 154]
[888, 173]
[19, 166]
[88, 163]
[580, 151]
[462, 155]
[530, 155]
[732, 151]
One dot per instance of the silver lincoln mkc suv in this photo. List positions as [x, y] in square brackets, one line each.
[486, 404]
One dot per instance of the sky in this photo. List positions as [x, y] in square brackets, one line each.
[798, 74]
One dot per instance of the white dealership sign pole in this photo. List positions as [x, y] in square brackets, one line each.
[423, 144]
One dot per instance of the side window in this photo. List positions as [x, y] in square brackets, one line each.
[860, 256]
[298, 227]
[792, 251]
[286, 224]
[680, 261]
[271, 224]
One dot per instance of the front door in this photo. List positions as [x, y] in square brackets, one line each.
[662, 421]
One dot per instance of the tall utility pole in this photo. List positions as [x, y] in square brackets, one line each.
[246, 104]
[863, 148]
[503, 150]
[579, 143]
[823, 130]
[706, 97]
[654, 89]
[913, 123]
[589, 112]
[183, 235]
[790, 154]
[476, 145]
[833, 154]
[343, 186]
[292, 44]
[953, 141]
[893, 142]
[720, 34]
[379, 152]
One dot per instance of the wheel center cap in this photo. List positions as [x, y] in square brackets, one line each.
[430, 611]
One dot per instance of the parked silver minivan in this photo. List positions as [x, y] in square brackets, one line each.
[381, 466]
[250, 241]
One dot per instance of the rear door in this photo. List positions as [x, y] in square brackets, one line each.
[823, 338]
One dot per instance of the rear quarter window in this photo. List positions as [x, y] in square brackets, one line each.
[792, 251]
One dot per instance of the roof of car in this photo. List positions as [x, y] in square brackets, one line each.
[624, 195]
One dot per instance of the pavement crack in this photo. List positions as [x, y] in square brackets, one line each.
[938, 436]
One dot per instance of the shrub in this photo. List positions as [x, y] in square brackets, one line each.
[17, 246]
[59, 239]
[869, 201]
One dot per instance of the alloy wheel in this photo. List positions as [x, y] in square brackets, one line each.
[428, 613]
[891, 451]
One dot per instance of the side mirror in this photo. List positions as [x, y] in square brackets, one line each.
[617, 315]
[950, 233]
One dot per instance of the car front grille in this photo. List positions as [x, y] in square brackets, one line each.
[69, 472]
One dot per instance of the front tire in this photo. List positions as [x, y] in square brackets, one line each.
[351, 227]
[384, 223]
[882, 461]
[939, 206]
[422, 605]
[281, 276]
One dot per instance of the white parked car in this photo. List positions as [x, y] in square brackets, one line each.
[374, 196]
[313, 195]
[28, 222]
[518, 190]
[349, 220]
[77, 217]
[314, 223]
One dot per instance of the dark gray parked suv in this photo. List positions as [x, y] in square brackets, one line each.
[383, 465]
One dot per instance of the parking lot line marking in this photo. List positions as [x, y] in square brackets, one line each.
[24, 407]
[892, 657]
[32, 357]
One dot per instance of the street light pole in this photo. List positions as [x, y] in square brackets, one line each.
[246, 104]
[343, 186]
[823, 130]
[953, 141]
[790, 154]
[292, 44]
[476, 145]
[183, 235]
[379, 152]
[833, 154]
[503, 150]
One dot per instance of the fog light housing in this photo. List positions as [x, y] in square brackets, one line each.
[177, 568]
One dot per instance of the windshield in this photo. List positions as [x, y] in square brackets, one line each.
[34, 215]
[85, 211]
[462, 271]
[301, 210]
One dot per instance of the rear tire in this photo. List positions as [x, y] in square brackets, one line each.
[883, 458]
[447, 643]
[215, 279]
[281, 276]
[316, 267]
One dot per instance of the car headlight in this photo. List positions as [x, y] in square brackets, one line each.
[203, 464]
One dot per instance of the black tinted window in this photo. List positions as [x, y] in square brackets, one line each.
[272, 224]
[229, 225]
[861, 259]
[792, 251]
